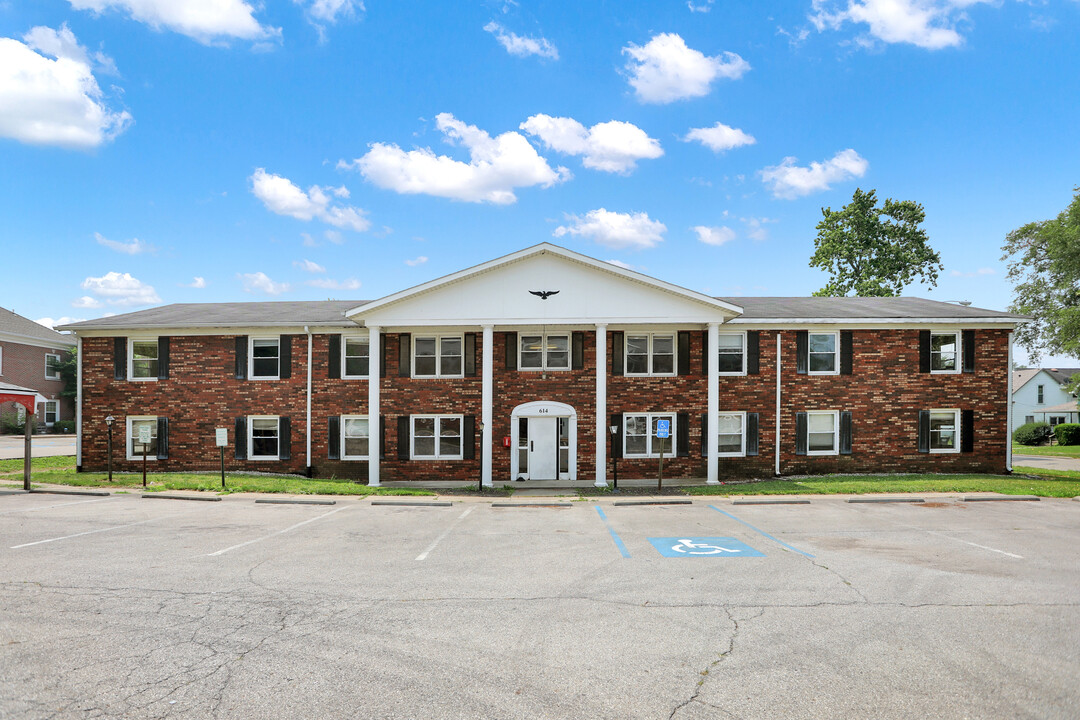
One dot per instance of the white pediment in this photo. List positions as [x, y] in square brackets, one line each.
[500, 293]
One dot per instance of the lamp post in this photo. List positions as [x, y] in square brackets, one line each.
[108, 423]
[614, 457]
[480, 482]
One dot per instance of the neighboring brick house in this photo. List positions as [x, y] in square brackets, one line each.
[25, 351]
[546, 364]
[1038, 395]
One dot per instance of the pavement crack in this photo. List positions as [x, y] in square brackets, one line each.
[723, 655]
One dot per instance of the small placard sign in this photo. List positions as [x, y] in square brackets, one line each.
[221, 436]
[144, 435]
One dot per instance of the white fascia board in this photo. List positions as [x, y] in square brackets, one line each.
[897, 323]
[35, 341]
[201, 331]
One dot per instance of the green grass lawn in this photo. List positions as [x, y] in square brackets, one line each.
[1072, 451]
[43, 463]
[1055, 485]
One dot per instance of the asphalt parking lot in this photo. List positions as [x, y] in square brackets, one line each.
[123, 607]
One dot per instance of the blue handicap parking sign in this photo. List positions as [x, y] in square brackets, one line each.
[663, 428]
[703, 547]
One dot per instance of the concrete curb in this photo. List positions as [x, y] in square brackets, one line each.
[411, 503]
[91, 493]
[770, 502]
[13, 492]
[270, 501]
[1003, 498]
[212, 498]
[534, 505]
[653, 502]
[885, 500]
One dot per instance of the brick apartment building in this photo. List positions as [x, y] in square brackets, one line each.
[26, 352]
[546, 364]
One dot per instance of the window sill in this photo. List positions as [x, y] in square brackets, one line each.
[429, 458]
[264, 458]
[264, 377]
[942, 451]
[822, 453]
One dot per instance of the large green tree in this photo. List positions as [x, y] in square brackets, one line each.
[873, 251]
[1044, 266]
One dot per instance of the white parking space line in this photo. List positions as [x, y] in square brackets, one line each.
[966, 542]
[279, 532]
[46, 507]
[90, 532]
[446, 532]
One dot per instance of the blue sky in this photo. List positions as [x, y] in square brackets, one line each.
[221, 150]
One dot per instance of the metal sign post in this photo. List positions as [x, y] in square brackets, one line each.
[27, 448]
[144, 440]
[663, 432]
[221, 438]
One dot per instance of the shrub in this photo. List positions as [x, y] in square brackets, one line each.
[1032, 433]
[9, 423]
[1068, 433]
[64, 426]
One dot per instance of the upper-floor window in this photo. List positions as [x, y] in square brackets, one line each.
[136, 425]
[732, 350]
[52, 370]
[436, 437]
[144, 359]
[1039, 394]
[822, 433]
[437, 356]
[823, 353]
[356, 354]
[544, 352]
[354, 437]
[639, 434]
[265, 359]
[944, 352]
[650, 354]
[944, 431]
[264, 437]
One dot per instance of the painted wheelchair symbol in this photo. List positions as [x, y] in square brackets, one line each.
[689, 547]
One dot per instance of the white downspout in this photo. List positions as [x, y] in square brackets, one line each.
[777, 441]
[308, 433]
[1009, 410]
[78, 406]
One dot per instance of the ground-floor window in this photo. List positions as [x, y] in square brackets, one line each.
[822, 431]
[52, 411]
[639, 434]
[354, 437]
[1056, 420]
[944, 431]
[135, 428]
[436, 437]
[731, 428]
[264, 438]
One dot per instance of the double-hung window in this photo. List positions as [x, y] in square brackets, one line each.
[944, 431]
[944, 352]
[731, 428]
[52, 372]
[824, 353]
[265, 358]
[436, 437]
[355, 357]
[134, 447]
[732, 353]
[822, 433]
[144, 360]
[264, 435]
[639, 435]
[438, 356]
[1040, 396]
[52, 411]
[354, 437]
[650, 354]
[545, 352]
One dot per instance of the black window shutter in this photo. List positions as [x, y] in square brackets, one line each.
[705, 352]
[845, 353]
[704, 434]
[802, 339]
[285, 358]
[163, 358]
[924, 351]
[924, 431]
[470, 354]
[617, 356]
[969, 351]
[333, 357]
[163, 438]
[967, 431]
[578, 355]
[800, 433]
[684, 352]
[120, 358]
[751, 433]
[241, 356]
[382, 437]
[241, 438]
[468, 438]
[511, 350]
[753, 352]
[682, 434]
[284, 438]
[403, 437]
[845, 433]
[616, 439]
[333, 437]
[404, 368]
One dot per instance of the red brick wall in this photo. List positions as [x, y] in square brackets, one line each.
[24, 365]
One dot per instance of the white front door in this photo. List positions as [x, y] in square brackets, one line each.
[543, 448]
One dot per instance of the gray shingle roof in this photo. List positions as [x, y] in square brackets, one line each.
[803, 308]
[1062, 375]
[317, 313]
[14, 324]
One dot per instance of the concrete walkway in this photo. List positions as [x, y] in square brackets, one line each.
[11, 446]
[1047, 462]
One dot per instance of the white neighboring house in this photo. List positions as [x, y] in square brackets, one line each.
[1038, 396]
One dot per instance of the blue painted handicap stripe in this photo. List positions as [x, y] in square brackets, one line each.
[703, 547]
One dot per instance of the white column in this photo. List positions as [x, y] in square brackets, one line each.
[713, 441]
[601, 406]
[487, 395]
[1009, 409]
[78, 406]
[374, 364]
[777, 441]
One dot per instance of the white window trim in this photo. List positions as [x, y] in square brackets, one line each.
[130, 443]
[438, 354]
[956, 433]
[341, 433]
[743, 371]
[958, 364]
[836, 431]
[438, 427]
[45, 412]
[544, 352]
[251, 359]
[344, 358]
[742, 435]
[836, 352]
[250, 437]
[47, 368]
[674, 354]
[131, 358]
[673, 416]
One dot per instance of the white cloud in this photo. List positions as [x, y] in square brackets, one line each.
[86, 302]
[496, 166]
[615, 230]
[309, 266]
[702, 8]
[333, 236]
[520, 45]
[787, 180]
[51, 323]
[714, 235]
[621, 264]
[976, 273]
[929, 24]
[207, 21]
[120, 289]
[330, 11]
[613, 146]
[57, 101]
[416, 261]
[720, 137]
[308, 240]
[328, 284]
[665, 69]
[135, 246]
[755, 227]
[281, 196]
[259, 282]
[197, 282]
